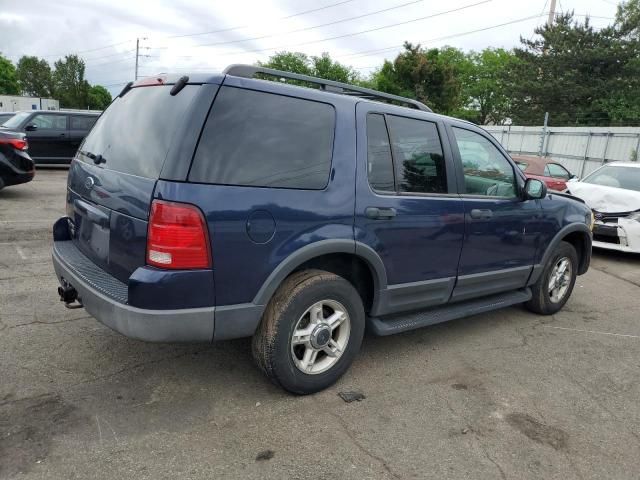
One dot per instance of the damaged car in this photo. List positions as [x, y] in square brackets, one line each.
[613, 193]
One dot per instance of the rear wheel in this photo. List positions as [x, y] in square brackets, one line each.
[554, 287]
[311, 331]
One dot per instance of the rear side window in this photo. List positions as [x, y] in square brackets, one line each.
[84, 122]
[48, 121]
[418, 157]
[265, 140]
[135, 132]
[379, 162]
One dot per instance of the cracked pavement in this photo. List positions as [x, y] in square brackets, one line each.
[506, 395]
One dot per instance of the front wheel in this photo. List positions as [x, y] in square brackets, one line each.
[554, 287]
[311, 331]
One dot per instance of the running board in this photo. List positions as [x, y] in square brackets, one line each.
[410, 321]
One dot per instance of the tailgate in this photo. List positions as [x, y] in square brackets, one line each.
[113, 176]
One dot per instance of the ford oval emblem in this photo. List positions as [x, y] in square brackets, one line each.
[89, 183]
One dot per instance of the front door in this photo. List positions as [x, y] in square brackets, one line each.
[49, 141]
[407, 208]
[501, 230]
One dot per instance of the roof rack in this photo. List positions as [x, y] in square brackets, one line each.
[249, 71]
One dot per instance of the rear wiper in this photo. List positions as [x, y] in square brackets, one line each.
[97, 159]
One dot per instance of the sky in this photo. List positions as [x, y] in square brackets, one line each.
[207, 35]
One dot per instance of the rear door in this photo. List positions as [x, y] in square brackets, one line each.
[501, 230]
[49, 141]
[112, 178]
[407, 206]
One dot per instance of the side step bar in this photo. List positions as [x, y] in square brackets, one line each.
[405, 322]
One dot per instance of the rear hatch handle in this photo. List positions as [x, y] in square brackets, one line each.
[94, 214]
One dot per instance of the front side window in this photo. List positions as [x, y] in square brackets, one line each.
[418, 157]
[261, 139]
[558, 171]
[486, 170]
[379, 162]
[49, 122]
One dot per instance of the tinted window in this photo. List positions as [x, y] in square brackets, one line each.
[261, 139]
[135, 132]
[418, 157]
[47, 121]
[84, 122]
[616, 176]
[486, 170]
[558, 171]
[379, 163]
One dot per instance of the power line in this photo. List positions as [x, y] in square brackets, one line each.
[86, 51]
[362, 31]
[366, 53]
[245, 26]
[309, 28]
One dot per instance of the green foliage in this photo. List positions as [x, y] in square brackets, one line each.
[580, 75]
[627, 21]
[430, 76]
[35, 77]
[8, 79]
[322, 66]
[99, 97]
[70, 86]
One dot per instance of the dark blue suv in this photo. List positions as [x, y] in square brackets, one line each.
[207, 208]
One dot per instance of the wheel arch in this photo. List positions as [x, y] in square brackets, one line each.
[328, 252]
[578, 235]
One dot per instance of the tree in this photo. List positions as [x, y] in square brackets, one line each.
[486, 86]
[627, 20]
[429, 76]
[70, 86]
[35, 77]
[580, 75]
[8, 80]
[99, 97]
[294, 62]
[323, 66]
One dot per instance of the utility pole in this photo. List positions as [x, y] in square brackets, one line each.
[138, 53]
[552, 13]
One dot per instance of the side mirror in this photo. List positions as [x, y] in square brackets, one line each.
[31, 128]
[534, 189]
[573, 178]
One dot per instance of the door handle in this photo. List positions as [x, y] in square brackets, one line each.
[63, 134]
[478, 213]
[380, 213]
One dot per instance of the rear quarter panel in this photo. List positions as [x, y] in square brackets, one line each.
[301, 217]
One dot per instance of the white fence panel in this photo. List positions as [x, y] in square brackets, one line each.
[580, 149]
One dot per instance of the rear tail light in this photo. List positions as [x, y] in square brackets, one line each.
[16, 143]
[177, 237]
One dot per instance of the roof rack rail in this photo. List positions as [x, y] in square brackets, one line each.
[249, 71]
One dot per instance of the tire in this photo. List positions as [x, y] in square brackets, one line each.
[301, 295]
[543, 300]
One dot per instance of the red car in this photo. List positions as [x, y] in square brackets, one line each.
[545, 169]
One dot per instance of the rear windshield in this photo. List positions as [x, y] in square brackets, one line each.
[16, 120]
[134, 134]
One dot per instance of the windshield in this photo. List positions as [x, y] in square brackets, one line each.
[616, 176]
[16, 120]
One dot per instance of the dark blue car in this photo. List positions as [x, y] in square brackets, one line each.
[207, 208]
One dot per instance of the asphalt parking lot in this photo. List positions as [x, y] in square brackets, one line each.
[506, 395]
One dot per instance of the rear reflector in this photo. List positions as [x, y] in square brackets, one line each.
[15, 143]
[177, 237]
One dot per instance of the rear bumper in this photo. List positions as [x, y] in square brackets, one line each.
[184, 325]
